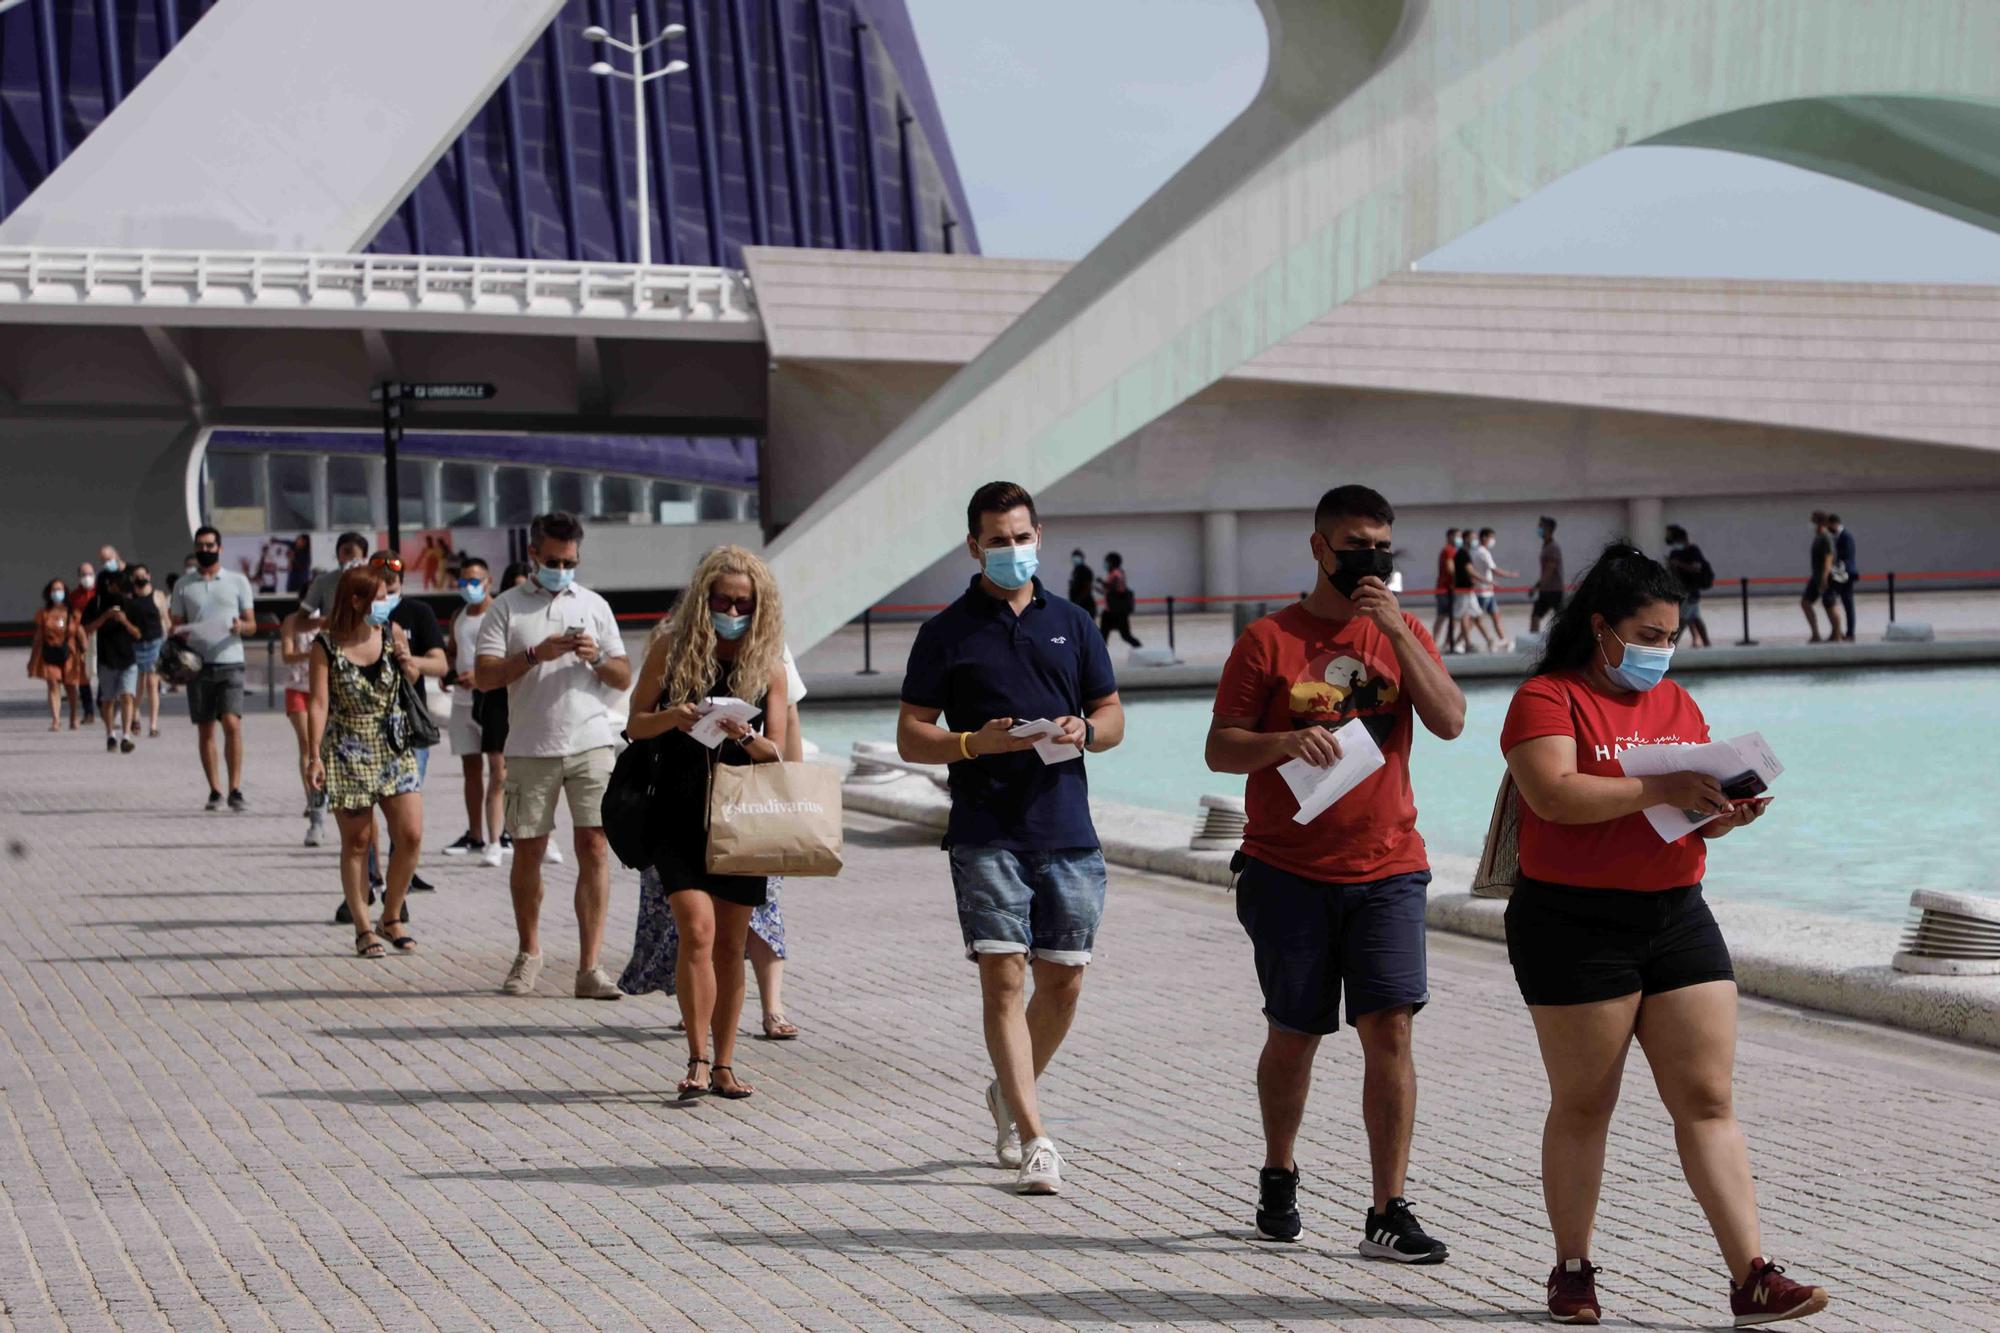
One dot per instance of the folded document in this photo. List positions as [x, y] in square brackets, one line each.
[1726, 761]
[714, 712]
[1316, 789]
[1048, 741]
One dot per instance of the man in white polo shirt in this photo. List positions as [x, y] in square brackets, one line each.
[555, 648]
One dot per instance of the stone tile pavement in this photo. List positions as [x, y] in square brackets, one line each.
[212, 1116]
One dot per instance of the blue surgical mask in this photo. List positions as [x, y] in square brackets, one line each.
[58, 595]
[555, 580]
[472, 593]
[378, 610]
[109, 567]
[1641, 668]
[728, 626]
[1012, 566]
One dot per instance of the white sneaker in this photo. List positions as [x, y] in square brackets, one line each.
[1041, 1173]
[553, 856]
[521, 976]
[491, 856]
[315, 830]
[1006, 1134]
[596, 984]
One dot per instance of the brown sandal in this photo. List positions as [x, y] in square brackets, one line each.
[777, 1029]
[689, 1089]
[732, 1094]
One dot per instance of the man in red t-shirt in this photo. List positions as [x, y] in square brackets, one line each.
[1446, 559]
[1339, 902]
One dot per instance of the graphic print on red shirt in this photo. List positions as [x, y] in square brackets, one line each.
[1622, 853]
[1294, 670]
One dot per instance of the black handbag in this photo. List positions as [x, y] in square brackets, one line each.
[631, 798]
[55, 654]
[419, 730]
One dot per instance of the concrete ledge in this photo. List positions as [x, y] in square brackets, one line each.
[1499, 666]
[1797, 958]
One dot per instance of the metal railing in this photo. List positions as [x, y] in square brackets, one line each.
[271, 280]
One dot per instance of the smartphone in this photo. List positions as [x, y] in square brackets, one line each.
[1744, 786]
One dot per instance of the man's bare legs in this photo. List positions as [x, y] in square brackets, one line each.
[1022, 1033]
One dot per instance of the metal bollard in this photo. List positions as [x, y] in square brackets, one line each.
[868, 643]
[1170, 622]
[1746, 641]
[270, 673]
[1892, 600]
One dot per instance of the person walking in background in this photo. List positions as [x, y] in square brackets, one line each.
[1686, 562]
[1118, 601]
[117, 659]
[1483, 571]
[55, 653]
[1026, 865]
[1083, 583]
[213, 609]
[1609, 936]
[1465, 595]
[350, 551]
[1445, 628]
[654, 964]
[152, 633]
[295, 648]
[1336, 904]
[478, 726]
[425, 642]
[725, 638]
[359, 661]
[1845, 570]
[1549, 582]
[82, 596]
[554, 647]
[1819, 587]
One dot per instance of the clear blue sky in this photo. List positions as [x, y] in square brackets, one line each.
[1065, 114]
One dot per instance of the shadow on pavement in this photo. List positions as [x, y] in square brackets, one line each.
[499, 1032]
[156, 925]
[215, 893]
[887, 1240]
[1147, 1306]
[328, 993]
[662, 1177]
[179, 958]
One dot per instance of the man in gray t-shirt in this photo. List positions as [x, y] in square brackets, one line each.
[212, 609]
[349, 551]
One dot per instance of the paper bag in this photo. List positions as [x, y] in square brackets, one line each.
[1499, 870]
[774, 819]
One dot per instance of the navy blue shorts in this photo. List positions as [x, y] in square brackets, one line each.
[1313, 940]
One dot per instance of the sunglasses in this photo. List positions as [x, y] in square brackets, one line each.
[386, 561]
[723, 604]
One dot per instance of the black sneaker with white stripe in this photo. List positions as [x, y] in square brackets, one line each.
[1394, 1234]
[1277, 1204]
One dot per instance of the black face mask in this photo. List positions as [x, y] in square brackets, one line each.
[206, 559]
[1353, 566]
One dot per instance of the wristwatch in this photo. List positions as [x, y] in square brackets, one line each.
[1089, 734]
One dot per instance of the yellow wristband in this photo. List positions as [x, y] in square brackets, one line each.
[965, 744]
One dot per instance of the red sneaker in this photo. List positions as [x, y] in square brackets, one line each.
[1573, 1293]
[1768, 1296]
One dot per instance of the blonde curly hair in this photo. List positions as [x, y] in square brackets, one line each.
[691, 636]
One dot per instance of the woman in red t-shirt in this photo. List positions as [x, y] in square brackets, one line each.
[1608, 933]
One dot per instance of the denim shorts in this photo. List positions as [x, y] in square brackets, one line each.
[1489, 603]
[146, 653]
[1313, 940]
[1044, 904]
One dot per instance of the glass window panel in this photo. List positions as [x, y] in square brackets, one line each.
[566, 491]
[347, 492]
[620, 496]
[673, 502]
[410, 492]
[716, 505]
[460, 491]
[291, 492]
[514, 497]
[235, 481]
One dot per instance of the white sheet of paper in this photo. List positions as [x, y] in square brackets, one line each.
[713, 713]
[1316, 789]
[1044, 733]
[1721, 760]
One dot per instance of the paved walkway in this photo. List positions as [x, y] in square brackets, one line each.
[212, 1116]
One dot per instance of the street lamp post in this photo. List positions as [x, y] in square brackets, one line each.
[639, 77]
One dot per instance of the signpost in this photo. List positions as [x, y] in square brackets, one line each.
[392, 394]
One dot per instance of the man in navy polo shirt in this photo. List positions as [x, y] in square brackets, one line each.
[1025, 861]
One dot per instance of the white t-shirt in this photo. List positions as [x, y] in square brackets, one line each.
[795, 684]
[465, 639]
[1482, 570]
[558, 708]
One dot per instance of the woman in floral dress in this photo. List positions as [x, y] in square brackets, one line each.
[358, 663]
[55, 656]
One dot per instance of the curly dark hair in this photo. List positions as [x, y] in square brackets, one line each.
[1623, 580]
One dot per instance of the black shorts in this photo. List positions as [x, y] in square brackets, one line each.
[1548, 603]
[489, 714]
[1827, 594]
[1313, 939]
[1580, 946]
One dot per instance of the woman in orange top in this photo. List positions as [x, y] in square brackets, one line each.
[56, 653]
[1608, 933]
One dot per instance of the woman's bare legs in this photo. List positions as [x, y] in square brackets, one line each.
[694, 973]
[405, 817]
[770, 970]
[1583, 1051]
[732, 926]
[55, 706]
[356, 827]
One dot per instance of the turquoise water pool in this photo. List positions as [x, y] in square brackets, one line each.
[1887, 787]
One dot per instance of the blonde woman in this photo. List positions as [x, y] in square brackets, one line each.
[725, 638]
